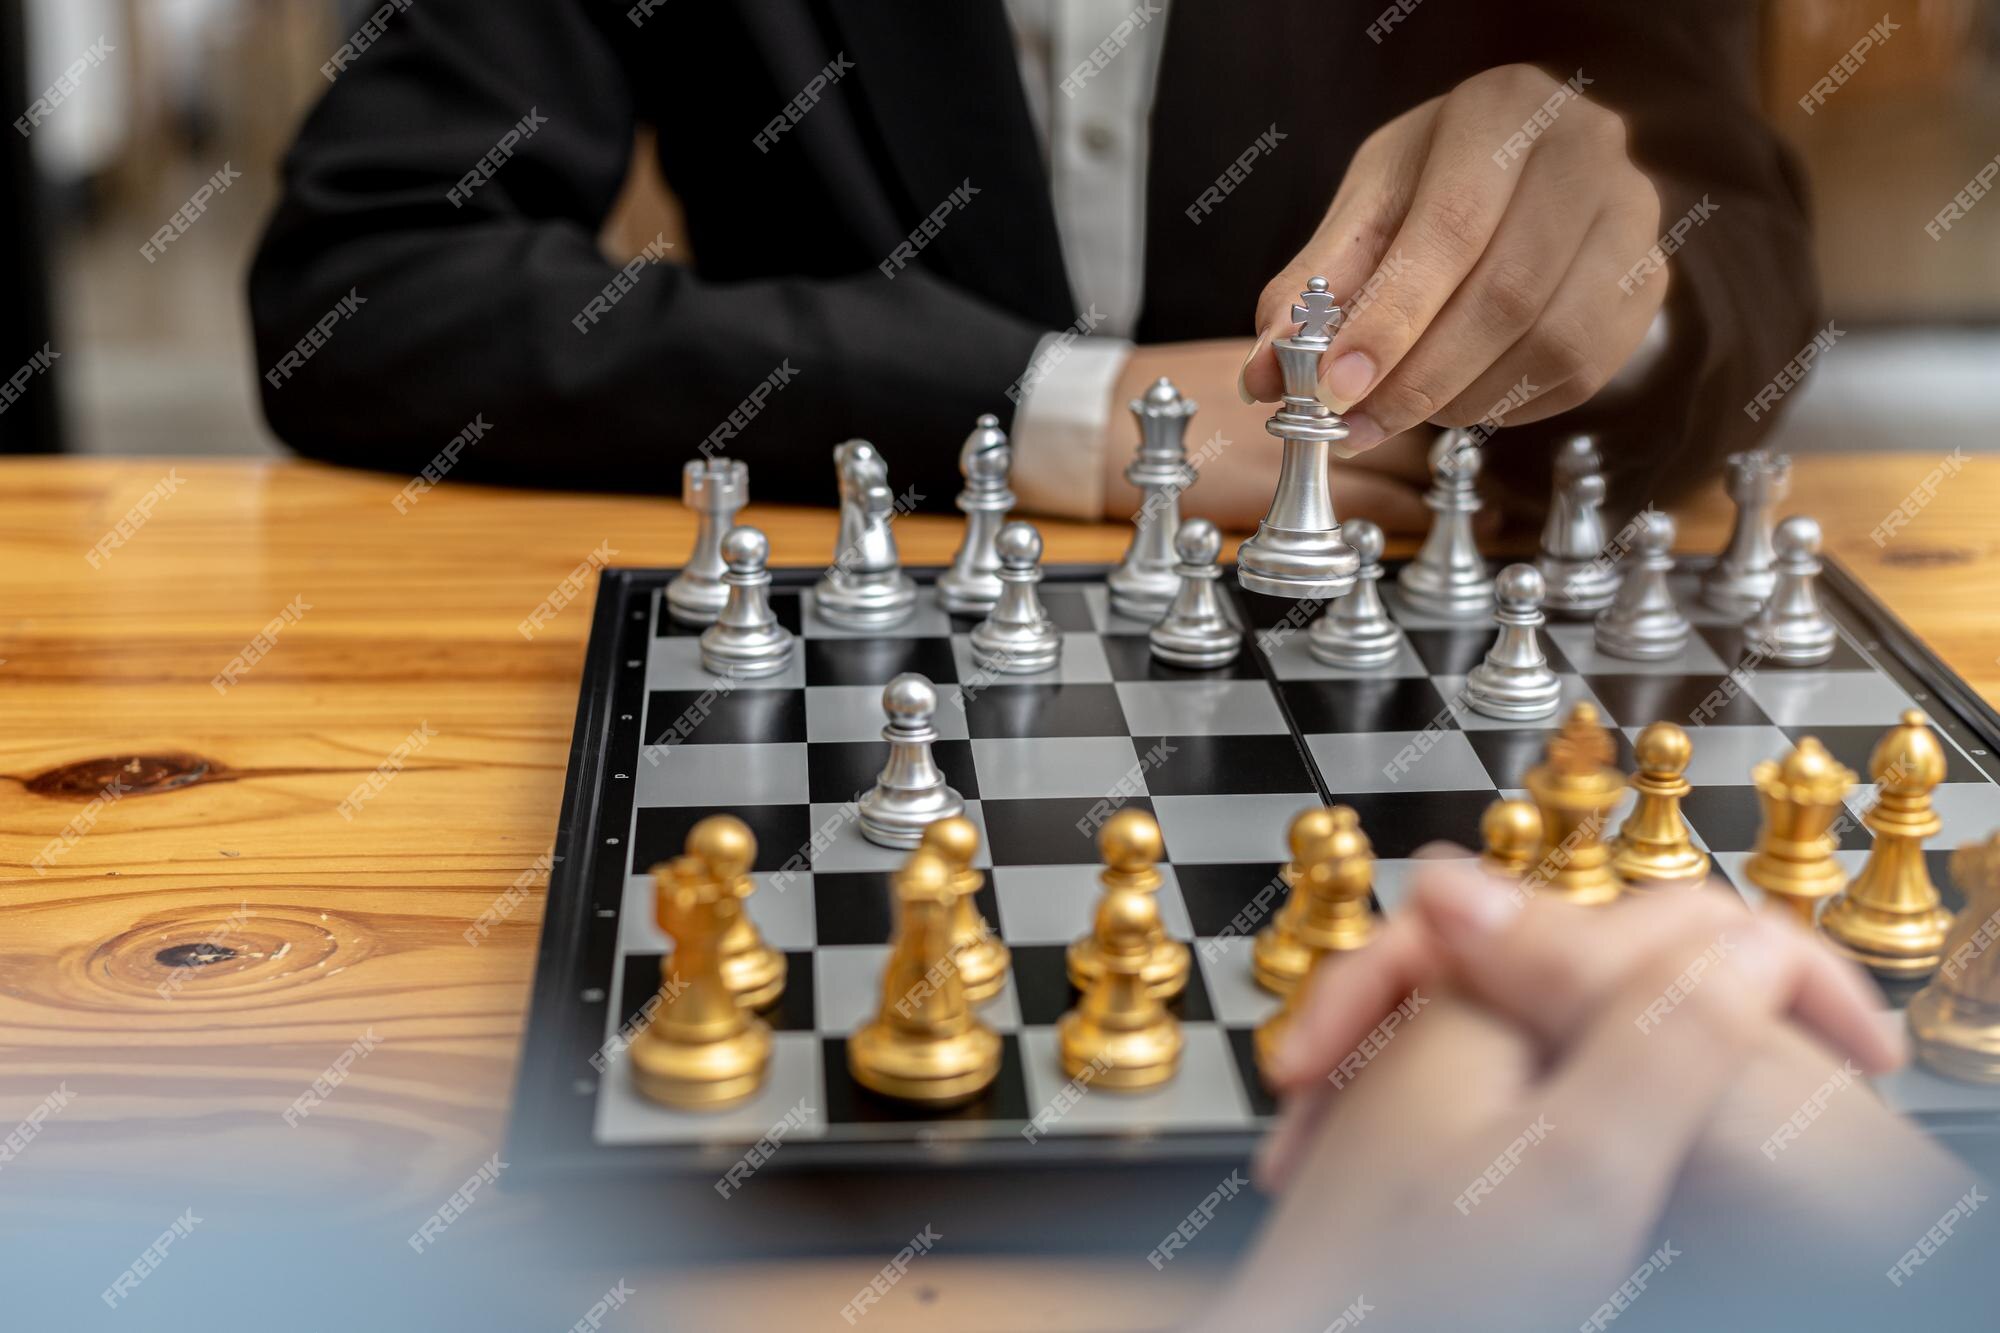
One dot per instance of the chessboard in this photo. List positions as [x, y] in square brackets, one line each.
[1223, 759]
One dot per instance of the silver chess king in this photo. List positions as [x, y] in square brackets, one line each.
[1298, 551]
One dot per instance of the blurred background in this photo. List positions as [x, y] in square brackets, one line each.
[155, 354]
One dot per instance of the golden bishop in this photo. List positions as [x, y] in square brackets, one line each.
[1575, 789]
[1331, 873]
[1890, 920]
[702, 1048]
[981, 958]
[1131, 847]
[924, 1044]
[1955, 1021]
[1655, 849]
[1793, 862]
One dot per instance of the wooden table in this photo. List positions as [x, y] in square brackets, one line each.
[309, 929]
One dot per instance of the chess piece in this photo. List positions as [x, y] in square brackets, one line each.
[911, 793]
[1146, 579]
[1512, 834]
[754, 971]
[1131, 847]
[924, 1044]
[1891, 920]
[702, 1048]
[716, 489]
[1297, 550]
[976, 951]
[1793, 862]
[746, 640]
[1356, 632]
[1515, 682]
[1448, 578]
[1643, 623]
[1791, 628]
[1017, 637]
[1574, 558]
[972, 585]
[1120, 1030]
[1331, 874]
[1196, 632]
[1955, 1021]
[1655, 848]
[1575, 789]
[865, 586]
[1743, 576]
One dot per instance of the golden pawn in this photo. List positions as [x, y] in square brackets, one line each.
[924, 1045]
[1131, 847]
[1793, 862]
[1890, 919]
[702, 1049]
[1512, 833]
[1955, 1021]
[982, 959]
[1121, 1029]
[754, 970]
[1655, 849]
[1330, 876]
[1575, 788]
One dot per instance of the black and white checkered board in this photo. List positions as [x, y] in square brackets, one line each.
[1224, 759]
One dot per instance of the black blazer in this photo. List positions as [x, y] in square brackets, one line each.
[470, 311]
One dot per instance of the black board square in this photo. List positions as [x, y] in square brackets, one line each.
[1639, 700]
[835, 770]
[1397, 703]
[793, 1011]
[1043, 992]
[1399, 822]
[1045, 832]
[1242, 1045]
[848, 1103]
[785, 605]
[1131, 658]
[1216, 894]
[1727, 820]
[741, 717]
[1045, 710]
[877, 661]
[1732, 645]
[661, 832]
[859, 907]
[1454, 652]
[1217, 765]
[1509, 752]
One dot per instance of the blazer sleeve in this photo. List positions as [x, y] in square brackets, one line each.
[471, 310]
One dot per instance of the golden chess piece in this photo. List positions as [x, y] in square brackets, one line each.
[702, 1048]
[1331, 873]
[1655, 848]
[1120, 1029]
[924, 1044]
[981, 957]
[1575, 788]
[1891, 920]
[1512, 833]
[1793, 862]
[1955, 1021]
[1131, 847]
[754, 970]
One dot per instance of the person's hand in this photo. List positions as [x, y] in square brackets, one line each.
[1480, 239]
[1479, 1171]
[1239, 472]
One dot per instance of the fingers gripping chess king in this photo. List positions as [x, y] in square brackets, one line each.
[1298, 550]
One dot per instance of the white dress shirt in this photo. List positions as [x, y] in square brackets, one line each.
[1089, 68]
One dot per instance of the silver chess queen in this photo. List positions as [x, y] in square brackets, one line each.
[1298, 550]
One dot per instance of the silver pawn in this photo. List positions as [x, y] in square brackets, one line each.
[911, 793]
[1146, 579]
[1792, 629]
[1448, 578]
[746, 639]
[1017, 637]
[1574, 559]
[1644, 623]
[716, 489]
[1298, 550]
[1515, 683]
[865, 587]
[1356, 632]
[1743, 575]
[1195, 632]
[972, 585]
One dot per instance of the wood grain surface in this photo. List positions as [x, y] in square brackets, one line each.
[214, 938]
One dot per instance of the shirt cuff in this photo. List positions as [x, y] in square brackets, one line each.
[1060, 424]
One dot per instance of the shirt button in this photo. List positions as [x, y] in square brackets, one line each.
[1099, 138]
